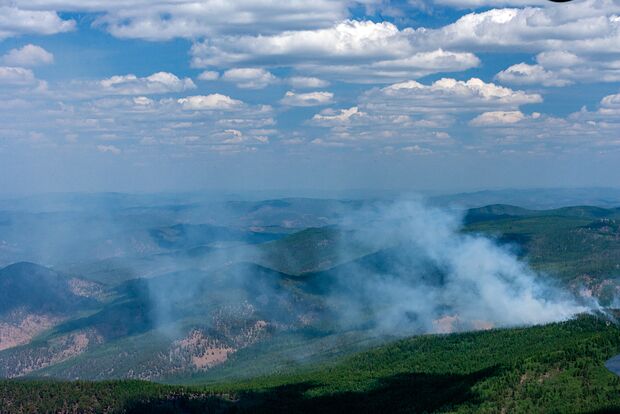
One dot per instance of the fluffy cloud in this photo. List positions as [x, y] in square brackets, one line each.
[497, 118]
[582, 33]
[386, 71]
[15, 21]
[157, 83]
[575, 42]
[610, 105]
[143, 101]
[475, 4]
[558, 59]
[306, 82]
[411, 114]
[330, 117]
[109, 149]
[346, 40]
[16, 76]
[349, 50]
[28, 55]
[314, 45]
[166, 19]
[416, 149]
[607, 113]
[249, 78]
[18, 82]
[209, 102]
[589, 25]
[146, 126]
[209, 75]
[431, 62]
[584, 130]
[452, 95]
[524, 74]
[560, 68]
[307, 99]
[308, 35]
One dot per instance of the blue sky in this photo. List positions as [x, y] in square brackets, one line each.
[448, 95]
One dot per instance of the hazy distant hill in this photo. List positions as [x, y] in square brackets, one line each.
[225, 294]
[542, 198]
[177, 322]
[34, 299]
[183, 236]
[33, 288]
[311, 250]
[506, 211]
[578, 245]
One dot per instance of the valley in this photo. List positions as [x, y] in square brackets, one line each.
[259, 301]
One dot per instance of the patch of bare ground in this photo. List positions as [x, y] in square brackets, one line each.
[26, 360]
[539, 377]
[19, 327]
[588, 286]
[85, 288]
[200, 350]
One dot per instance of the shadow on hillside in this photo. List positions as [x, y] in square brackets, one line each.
[399, 393]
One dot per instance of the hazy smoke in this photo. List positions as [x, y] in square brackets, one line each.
[431, 277]
[414, 271]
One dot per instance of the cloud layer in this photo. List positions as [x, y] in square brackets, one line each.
[384, 79]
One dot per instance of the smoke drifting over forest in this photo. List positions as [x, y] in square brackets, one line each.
[435, 278]
[404, 268]
[186, 282]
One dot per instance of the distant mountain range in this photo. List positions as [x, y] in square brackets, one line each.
[154, 293]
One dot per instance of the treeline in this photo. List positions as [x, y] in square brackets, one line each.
[552, 368]
[49, 396]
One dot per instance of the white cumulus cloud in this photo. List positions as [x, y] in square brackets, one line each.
[16, 76]
[209, 75]
[306, 82]
[249, 78]
[329, 116]
[27, 56]
[307, 99]
[524, 74]
[590, 25]
[15, 21]
[167, 19]
[350, 50]
[209, 102]
[157, 83]
[109, 149]
[452, 93]
[560, 68]
[497, 118]
[415, 114]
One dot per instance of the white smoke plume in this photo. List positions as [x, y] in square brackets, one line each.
[406, 268]
[439, 279]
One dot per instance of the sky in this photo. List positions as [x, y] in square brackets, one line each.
[183, 95]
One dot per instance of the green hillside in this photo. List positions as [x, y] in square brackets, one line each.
[30, 287]
[286, 287]
[552, 368]
[500, 211]
[311, 250]
[571, 243]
